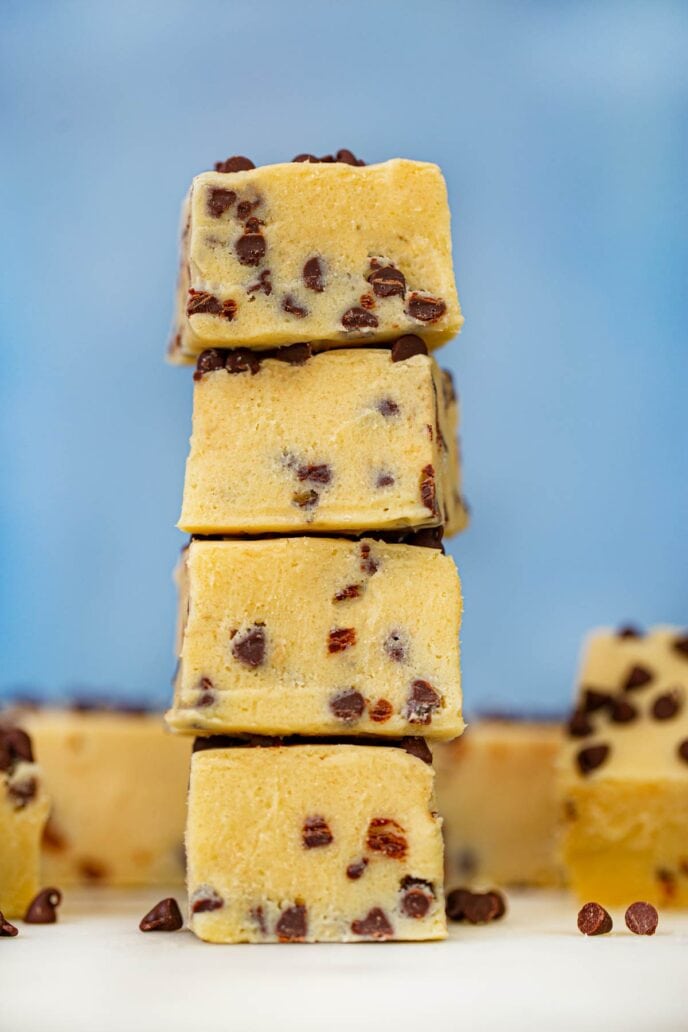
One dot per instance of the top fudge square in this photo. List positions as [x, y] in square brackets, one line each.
[327, 252]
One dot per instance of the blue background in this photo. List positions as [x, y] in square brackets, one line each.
[562, 132]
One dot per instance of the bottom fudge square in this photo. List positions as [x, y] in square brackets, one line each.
[312, 843]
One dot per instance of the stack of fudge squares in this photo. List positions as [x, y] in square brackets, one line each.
[318, 637]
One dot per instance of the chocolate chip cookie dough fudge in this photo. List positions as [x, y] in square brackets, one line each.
[328, 252]
[623, 770]
[345, 441]
[320, 636]
[313, 843]
[23, 812]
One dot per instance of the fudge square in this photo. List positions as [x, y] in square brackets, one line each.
[23, 812]
[325, 252]
[318, 636]
[313, 843]
[345, 440]
[624, 770]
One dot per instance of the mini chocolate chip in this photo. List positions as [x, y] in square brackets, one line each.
[594, 699]
[294, 354]
[202, 303]
[314, 274]
[629, 631]
[204, 899]
[579, 725]
[359, 319]
[396, 647]
[7, 930]
[387, 281]
[250, 248]
[387, 837]
[369, 563]
[207, 696]
[242, 360]
[22, 791]
[592, 757]
[249, 649]
[637, 677]
[244, 208]
[407, 347]
[347, 157]
[306, 499]
[219, 201]
[483, 907]
[258, 916]
[594, 920]
[622, 712]
[347, 705]
[682, 750]
[425, 309]
[421, 703]
[367, 301]
[263, 283]
[641, 918]
[316, 832]
[427, 488]
[164, 917]
[292, 307]
[92, 870]
[356, 869]
[237, 163]
[417, 747]
[680, 645]
[417, 896]
[317, 473]
[374, 925]
[668, 705]
[387, 407]
[341, 638]
[455, 905]
[350, 591]
[209, 361]
[381, 711]
[293, 924]
[43, 908]
[15, 745]
[384, 480]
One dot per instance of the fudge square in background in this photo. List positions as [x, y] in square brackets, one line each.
[313, 843]
[323, 252]
[23, 812]
[318, 636]
[624, 770]
[344, 440]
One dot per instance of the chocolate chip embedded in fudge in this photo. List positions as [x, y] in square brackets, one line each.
[24, 809]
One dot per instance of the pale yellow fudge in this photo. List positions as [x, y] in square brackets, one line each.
[118, 785]
[24, 809]
[496, 791]
[624, 770]
[308, 635]
[332, 253]
[313, 843]
[348, 440]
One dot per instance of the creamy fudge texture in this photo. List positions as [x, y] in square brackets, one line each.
[23, 812]
[348, 440]
[496, 791]
[330, 253]
[313, 843]
[623, 770]
[117, 782]
[316, 636]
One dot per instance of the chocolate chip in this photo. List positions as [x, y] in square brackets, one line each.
[316, 832]
[341, 638]
[242, 360]
[22, 791]
[579, 725]
[384, 480]
[263, 283]
[294, 354]
[202, 303]
[205, 899]
[237, 163]
[359, 319]
[305, 499]
[209, 361]
[15, 746]
[629, 631]
[425, 309]
[483, 907]
[207, 696]
[43, 908]
[244, 208]
[668, 705]
[374, 925]
[92, 870]
[347, 157]
[455, 905]
[258, 917]
[319, 473]
[594, 920]
[396, 647]
[249, 649]
[407, 347]
[292, 307]
[164, 917]
[293, 924]
[594, 699]
[387, 281]
[637, 677]
[367, 301]
[356, 869]
[427, 488]
[622, 712]
[641, 918]
[387, 407]
[314, 274]
[311, 158]
[7, 930]
[417, 747]
[387, 837]
[250, 248]
[680, 645]
[682, 750]
[417, 897]
[592, 757]
[421, 703]
[369, 563]
[219, 201]
[347, 705]
[381, 711]
[350, 591]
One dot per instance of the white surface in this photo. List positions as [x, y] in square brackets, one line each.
[95, 972]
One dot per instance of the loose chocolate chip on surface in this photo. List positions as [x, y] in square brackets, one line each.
[205, 899]
[263, 283]
[7, 929]
[374, 925]
[219, 201]
[417, 896]
[396, 647]
[369, 563]
[306, 499]
[421, 703]
[482, 907]
[668, 705]
[314, 274]
[425, 309]
[637, 677]
[417, 747]
[455, 906]
[316, 832]
[348, 705]
[359, 319]
[237, 163]
[43, 908]
[292, 307]
[641, 918]
[681, 645]
[592, 757]
[249, 648]
[682, 750]
[356, 869]
[594, 699]
[242, 360]
[387, 281]
[22, 792]
[293, 924]
[341, 638]
[387, 837]
[293, 354]
[579, 725]
[15, 745]
[427, 488]
[629, 631]
[594, 920]
[350, 591]
[202, 303]
[622, 712]
[319, 473]
[384, 480]
[164, 917]
[407, 347]
[387, 407]
[250, 248]
[381, 711]
[209, 361]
